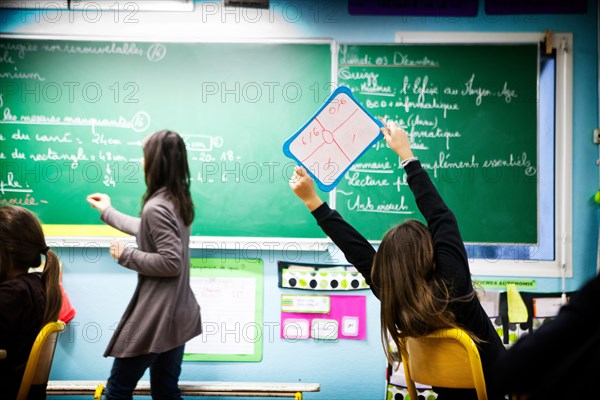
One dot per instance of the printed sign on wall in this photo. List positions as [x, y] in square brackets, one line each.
[346, 318]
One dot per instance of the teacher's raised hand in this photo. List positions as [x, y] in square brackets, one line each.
[99, 201]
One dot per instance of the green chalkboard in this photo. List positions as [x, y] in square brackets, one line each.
[471, 113]
[74, 115]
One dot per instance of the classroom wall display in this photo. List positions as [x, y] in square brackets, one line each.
[317, 277]
[471, 115]
[346, 318]
[74, 114]
[306, 303]
[334, 138]
[540, 308]
[230, 294]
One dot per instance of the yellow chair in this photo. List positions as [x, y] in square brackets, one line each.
[446, 358]
[39, 362]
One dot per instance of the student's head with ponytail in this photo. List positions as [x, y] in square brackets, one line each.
[22, 246]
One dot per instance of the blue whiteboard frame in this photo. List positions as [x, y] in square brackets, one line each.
[286, 145]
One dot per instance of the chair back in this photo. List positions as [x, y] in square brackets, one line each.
[446, 358]
[37, 370]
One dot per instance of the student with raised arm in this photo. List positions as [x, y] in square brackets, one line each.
[419, 273]
[163, 313]
[28, 301]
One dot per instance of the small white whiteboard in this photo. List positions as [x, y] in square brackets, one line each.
[334, 138]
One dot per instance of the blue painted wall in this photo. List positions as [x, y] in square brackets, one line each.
[100, 289]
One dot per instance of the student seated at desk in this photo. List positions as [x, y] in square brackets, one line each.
[560, 359]
[27, 300]
[419, 273]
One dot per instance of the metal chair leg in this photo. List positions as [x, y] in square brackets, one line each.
[98, 392]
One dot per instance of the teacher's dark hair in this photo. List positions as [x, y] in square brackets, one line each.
[166, 166]
[22, 244]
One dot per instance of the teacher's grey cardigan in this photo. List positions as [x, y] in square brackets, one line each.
[163, 313]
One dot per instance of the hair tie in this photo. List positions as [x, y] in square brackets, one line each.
[45, 250]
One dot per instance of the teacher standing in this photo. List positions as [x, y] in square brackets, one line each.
[163, 313]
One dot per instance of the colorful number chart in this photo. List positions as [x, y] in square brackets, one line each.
[334, 138]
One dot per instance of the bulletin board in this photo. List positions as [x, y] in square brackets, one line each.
[323, 317]
[230, 294]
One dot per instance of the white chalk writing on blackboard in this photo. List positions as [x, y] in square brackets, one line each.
[52, 155]
[399, 60]
[6, 58]
[382, 167]
[122, 49]
[480, 92]
[64, 138]
[358, 204]
[446, 161]
[22, 75]
[138, 123]
[402, 59]
[356, 179]
[11, 185]
[21, 49]
[109, 164]
[28, 200]
[521, 161]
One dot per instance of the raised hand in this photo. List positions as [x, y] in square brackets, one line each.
[303, 186]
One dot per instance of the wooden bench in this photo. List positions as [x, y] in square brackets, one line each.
[233, 389]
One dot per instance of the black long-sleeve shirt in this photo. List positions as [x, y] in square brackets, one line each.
[22, 302]
[451, 266]
[560, 359]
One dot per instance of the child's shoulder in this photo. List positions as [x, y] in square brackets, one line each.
[20, 287]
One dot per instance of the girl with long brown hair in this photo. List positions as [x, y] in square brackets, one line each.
[163, 313]
[420, 273]
[27, 300]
